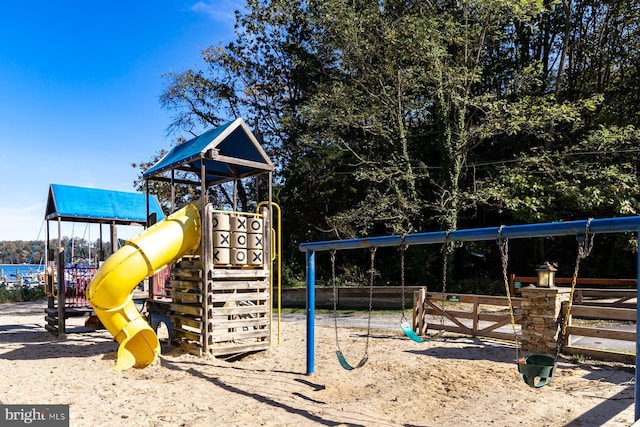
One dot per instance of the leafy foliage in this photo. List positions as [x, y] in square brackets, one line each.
[21, 251]
[21, 293]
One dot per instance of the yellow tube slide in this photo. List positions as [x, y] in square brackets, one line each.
[110, 290]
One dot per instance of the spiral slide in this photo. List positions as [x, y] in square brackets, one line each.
[110, 290]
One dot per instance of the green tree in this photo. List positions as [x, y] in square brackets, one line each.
[400, 116]
[577, 155]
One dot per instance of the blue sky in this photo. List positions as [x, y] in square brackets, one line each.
[80, 83]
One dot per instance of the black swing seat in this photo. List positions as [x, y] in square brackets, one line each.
[541, 366]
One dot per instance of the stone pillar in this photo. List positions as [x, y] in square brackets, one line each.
[540, 318]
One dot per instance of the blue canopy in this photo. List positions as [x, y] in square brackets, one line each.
[92, 205]
[228, 152]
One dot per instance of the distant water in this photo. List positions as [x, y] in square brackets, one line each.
[11, 270]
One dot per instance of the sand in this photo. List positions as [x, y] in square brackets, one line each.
[459, 381]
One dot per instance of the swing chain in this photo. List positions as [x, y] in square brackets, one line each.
[335, 296]
[503, 246]
[585, 244]
[445, 256]
[403, 248]
[371, 278]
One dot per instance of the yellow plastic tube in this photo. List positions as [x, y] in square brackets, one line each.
[110, 290]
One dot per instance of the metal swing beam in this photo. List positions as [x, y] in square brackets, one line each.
[596, 226]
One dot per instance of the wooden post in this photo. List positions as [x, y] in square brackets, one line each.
[476, 315]
[61, 294]
[419, 298]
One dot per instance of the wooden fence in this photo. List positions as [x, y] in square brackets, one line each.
[596, 314]
[351, 298]
[488, 316]
[475, 315]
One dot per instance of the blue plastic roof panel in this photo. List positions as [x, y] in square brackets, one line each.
[228, 152]
[92, 205]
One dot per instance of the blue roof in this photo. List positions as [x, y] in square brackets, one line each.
[228, 152]
[93, 205]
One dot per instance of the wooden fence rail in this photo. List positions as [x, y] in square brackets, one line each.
[517, 282]
[598, 331]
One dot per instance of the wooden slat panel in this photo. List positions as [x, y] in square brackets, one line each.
[186, 274]
[228, 273]
[191, 347]
[190, 264]
[190, 335]
[185, 284]
[611, 334]
[244, 296]
[219, 323]
[186, 321]
[226, 350]
[188, 309]
[610, 313]
[628, 306]
[238, 310]
[237, 335]
[186, 296]
[240, 284]
[601, 354]
[607, 293]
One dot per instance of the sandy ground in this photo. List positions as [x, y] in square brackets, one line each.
[455, 382]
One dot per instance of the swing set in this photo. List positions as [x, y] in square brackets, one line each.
[537, 370]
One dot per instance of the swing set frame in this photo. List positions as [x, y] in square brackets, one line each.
[596, 226]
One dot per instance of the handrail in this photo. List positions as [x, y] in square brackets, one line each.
[276, 250]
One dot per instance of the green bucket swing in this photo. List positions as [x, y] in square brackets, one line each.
[538, 370]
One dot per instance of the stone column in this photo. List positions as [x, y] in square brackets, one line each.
[540, 318]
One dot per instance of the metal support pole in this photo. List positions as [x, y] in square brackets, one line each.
[311, 310]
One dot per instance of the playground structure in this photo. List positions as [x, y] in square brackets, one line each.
[577, 228]
[67, 278]
[217, 300]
